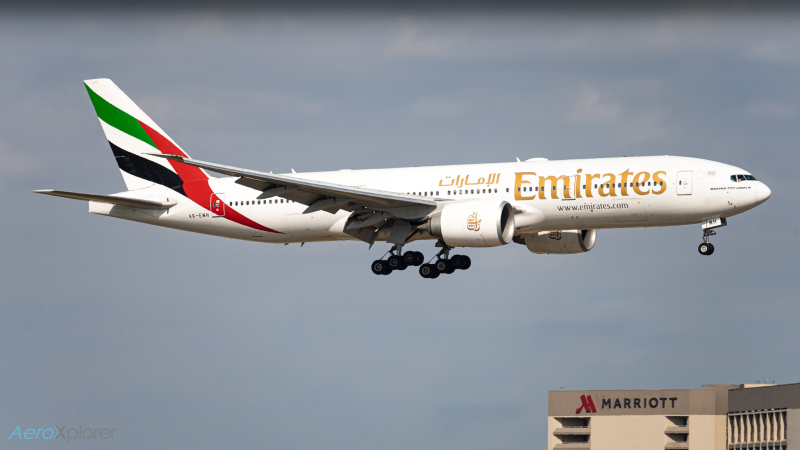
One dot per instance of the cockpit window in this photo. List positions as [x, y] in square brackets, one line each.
[739, 178]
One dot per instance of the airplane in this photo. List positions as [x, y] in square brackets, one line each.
[550, 207]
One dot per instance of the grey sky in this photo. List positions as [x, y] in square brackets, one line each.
[190, 341]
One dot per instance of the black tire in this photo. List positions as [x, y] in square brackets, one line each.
[458, 261]
[445, 266]
[420, 258]
[378, 266]
[705, 249]
[396, 262]
[435, 273]
[466, 262]
[387, 270]
[410, 258]
[426, 270]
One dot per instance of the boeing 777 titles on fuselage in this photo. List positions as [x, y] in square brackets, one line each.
[551, 207]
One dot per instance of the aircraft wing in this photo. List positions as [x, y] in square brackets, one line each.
[318, 195]
[113, 199]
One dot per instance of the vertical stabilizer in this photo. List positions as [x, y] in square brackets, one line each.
[132, 134]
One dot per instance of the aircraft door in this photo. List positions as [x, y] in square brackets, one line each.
[567, 187]
[684, 183]
[218, 205]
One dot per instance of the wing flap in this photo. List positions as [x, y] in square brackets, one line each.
[112, 199]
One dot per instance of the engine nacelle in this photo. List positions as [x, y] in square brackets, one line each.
[475, 223]
[564, 242]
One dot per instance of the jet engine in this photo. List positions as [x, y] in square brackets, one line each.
[475, 223]
[564, 242]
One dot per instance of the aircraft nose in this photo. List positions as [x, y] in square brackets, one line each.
[762, 193]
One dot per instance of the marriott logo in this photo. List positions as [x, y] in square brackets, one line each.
[587, 405]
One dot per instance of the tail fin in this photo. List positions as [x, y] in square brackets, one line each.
[132, 134]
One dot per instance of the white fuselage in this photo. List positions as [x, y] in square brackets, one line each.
[547, 195]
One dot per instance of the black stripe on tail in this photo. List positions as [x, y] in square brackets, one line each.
[143, 168]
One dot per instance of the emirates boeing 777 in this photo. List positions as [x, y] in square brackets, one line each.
[550, 207]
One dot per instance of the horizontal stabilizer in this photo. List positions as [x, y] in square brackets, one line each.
[113, 199]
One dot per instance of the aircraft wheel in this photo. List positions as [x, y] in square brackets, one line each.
[457, 261]
[706, 249]
[428, 271]
[378, 267]
[466, 262]
[420, 258]
[410, 258]
[445, 266]
[396, 263]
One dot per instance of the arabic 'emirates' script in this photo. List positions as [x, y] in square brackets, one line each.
[473, 224]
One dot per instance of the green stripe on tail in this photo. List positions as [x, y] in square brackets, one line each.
[118, 118]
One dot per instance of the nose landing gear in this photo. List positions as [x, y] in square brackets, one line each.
[706, 248]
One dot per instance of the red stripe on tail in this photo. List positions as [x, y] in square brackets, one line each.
[195, 181]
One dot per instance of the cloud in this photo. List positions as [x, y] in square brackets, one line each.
[590, 107]
[772, 52]
[770, 109]
[439, 107]
[642, 127]
[408, 41]
[16, 163]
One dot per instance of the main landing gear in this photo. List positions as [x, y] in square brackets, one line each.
[706, 248]
[397, 261]
[401, 261]
[445, 264]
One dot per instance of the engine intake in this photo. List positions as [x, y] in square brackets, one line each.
[475, 223]
[564, 242]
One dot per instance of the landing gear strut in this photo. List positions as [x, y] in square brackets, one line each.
[706, 248]
[397, 261]
[444, 263]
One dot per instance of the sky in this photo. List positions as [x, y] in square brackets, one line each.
[179, 340]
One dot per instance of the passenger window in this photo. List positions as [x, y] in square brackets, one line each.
[648, 183]
[506, 189]
[619, 184]
[554, 188]
[595, 186]
[437, 192]
[472, 191]
[281, 200]
[537, 188]
[448, 192]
